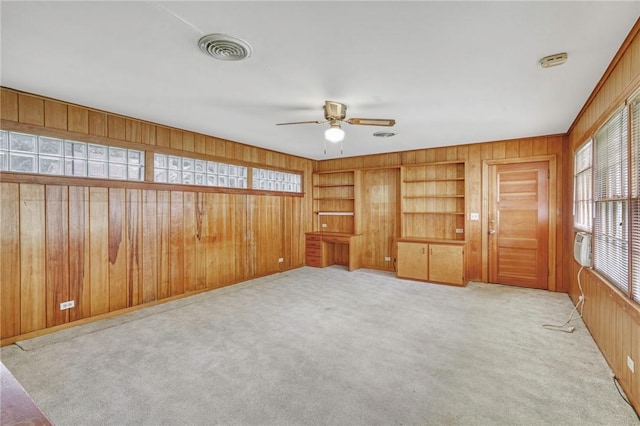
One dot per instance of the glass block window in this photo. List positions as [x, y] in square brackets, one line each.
[191, 171]
[272, 180]
[26, 153]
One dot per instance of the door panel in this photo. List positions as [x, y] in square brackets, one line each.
[412, 260]
[519, 224]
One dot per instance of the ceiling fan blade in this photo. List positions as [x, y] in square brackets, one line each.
[372, 121]
[301, 122]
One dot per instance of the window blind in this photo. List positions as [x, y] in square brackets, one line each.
[611, 192]
[635, 198]
[583, 195]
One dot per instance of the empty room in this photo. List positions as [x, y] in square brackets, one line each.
[320, 213]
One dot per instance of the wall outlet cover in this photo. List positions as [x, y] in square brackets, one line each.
[475, 216]
[280, 259]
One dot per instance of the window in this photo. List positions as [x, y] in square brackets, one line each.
[583, 195]
[26, 153]
[190, 171]
[611, 237]
[272, 180]
[635, 197]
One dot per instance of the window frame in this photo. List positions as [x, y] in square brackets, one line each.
[583, 183]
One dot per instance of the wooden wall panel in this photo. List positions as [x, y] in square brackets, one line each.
[202, 245]
[176, 244]
[380, 224]
[33, 292]
[134, 209]
[30, 110]
[97, 123]
[116, 127]
[164, 242]
[10, 260]
[99, 249]
[189, 249]
[55, 115]
[473, 155]
[79, 253]
[128, 245]
[215, 213]
[118, 286]
[77, 119]
[9, 105]
[243, 263]
[149, 247]
[265, 245]
[613, 320]
[57, 253]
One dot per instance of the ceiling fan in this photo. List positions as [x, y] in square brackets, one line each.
[334, 114]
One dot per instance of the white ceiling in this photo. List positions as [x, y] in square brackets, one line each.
[448, 72]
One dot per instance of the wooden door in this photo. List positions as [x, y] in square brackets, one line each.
[446, 264]
[412, 260]
[519, 224]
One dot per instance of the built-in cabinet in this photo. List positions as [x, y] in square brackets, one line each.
[434, 261]
[432, 243]
[432, 211]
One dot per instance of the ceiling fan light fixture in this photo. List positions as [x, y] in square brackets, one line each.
[334, 133]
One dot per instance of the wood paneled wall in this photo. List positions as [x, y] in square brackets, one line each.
[380, 222]
[473, 155]
[614, 322]
[111, 246]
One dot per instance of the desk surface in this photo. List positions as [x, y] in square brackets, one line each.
[332, 234]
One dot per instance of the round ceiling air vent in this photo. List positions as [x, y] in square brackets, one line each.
[225, 47]
[384, 134]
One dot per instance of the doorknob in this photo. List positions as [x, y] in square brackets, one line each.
[492, 231]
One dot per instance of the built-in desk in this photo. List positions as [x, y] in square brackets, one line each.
[329, 248]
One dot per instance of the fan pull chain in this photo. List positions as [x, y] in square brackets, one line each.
[325, 147]
[341, 147]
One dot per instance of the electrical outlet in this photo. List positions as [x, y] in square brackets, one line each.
[459, 231]
[324, 225]
[67, 305]
[387, 259]
[280, 259]
[475, 216]
[630, 364]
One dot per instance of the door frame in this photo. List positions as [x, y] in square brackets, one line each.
[553, 212]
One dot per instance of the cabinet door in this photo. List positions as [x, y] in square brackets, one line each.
[412, 260]
[446, 264]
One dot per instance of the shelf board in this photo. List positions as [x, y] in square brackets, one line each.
[334, 213]
[344, 185]
[334, 199]
[451, 213]
[427, 197]
[433, 180]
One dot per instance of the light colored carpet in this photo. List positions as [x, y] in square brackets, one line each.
[325, 346]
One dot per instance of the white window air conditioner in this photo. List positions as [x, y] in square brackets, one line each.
[582, 249]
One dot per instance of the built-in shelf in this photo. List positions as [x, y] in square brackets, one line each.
[335, 201]
[433, 201]
[335, 213]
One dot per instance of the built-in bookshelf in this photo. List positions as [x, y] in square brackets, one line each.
[334, 201]
[433, 201]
